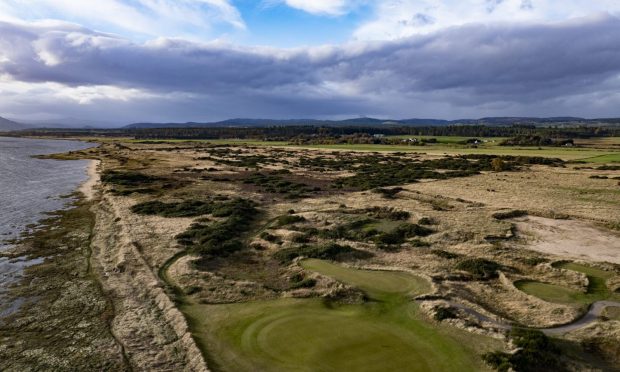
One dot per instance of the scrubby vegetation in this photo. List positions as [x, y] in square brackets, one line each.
[388, 193]
[536, 353]
[131, 179]
[289, 219]
[479, 268]
[191, 208]
[386, 240]
[504, 215]
[221, 238]
[276, 184]
[330, 251]
[445, 254]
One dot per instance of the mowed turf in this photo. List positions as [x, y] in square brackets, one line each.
[597, 289]
[376, 284]
[316, 335]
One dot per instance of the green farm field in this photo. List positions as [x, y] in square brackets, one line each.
[384, 334]
[446, 145]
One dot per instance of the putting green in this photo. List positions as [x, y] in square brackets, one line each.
[377, 284]
[552, 293]
[315, 335]
[597, 289]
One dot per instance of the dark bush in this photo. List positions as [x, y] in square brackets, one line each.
[330, 251]
[442, 313]
[127, 178]
[192, 208]
[305, 283]
[221, 238]
[388, 193]
[445, 254]
[537, 353]
[289, 220]
[504, 215]
[481, 269]
[427, 221]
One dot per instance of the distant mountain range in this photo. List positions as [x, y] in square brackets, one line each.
[73, 123]
[491, 121]
[9, 125]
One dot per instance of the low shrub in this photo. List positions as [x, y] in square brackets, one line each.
[427, 221]
[445, 254]
[131, 179]
[330, 251]
[221, 238]
[536, 353]
[304, 283]
[387, 213]
[400, 234]
[504, 215]
[192, 208]
[442, 313]
[270, 237]
[388, 193]
[289, 219]
[481, 269]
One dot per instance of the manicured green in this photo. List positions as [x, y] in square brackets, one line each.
[314, 335]
[374, 283]
[597, 289]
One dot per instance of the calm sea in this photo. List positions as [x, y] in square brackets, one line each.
[29, 188]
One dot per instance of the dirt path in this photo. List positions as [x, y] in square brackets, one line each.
[570, 239]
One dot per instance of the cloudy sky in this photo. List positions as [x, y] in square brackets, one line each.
[123, 61]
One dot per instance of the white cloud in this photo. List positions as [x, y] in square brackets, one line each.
[402, 18]
[328, 7]
[138, 17]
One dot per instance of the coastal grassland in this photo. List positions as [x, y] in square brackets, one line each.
[597, 289]
[64, 322]
[387, 334]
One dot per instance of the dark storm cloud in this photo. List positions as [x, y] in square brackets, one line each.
[472, 65]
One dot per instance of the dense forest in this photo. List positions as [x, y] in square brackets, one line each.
[303, 133]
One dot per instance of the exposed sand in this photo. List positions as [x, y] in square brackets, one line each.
[88, 188]
[570, 239]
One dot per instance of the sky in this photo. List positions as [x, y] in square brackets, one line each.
[124, 61]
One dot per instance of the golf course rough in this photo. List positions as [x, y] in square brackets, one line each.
[384, 334]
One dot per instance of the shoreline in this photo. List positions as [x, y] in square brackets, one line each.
[87, 188]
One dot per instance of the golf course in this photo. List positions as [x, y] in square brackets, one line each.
[385, 333]
[597, 289]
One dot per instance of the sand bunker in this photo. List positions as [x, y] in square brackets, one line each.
[570, 239]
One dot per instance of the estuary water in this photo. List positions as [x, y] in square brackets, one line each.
[30, 188]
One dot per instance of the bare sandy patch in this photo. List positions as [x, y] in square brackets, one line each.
[570, 239]
[88, 187]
